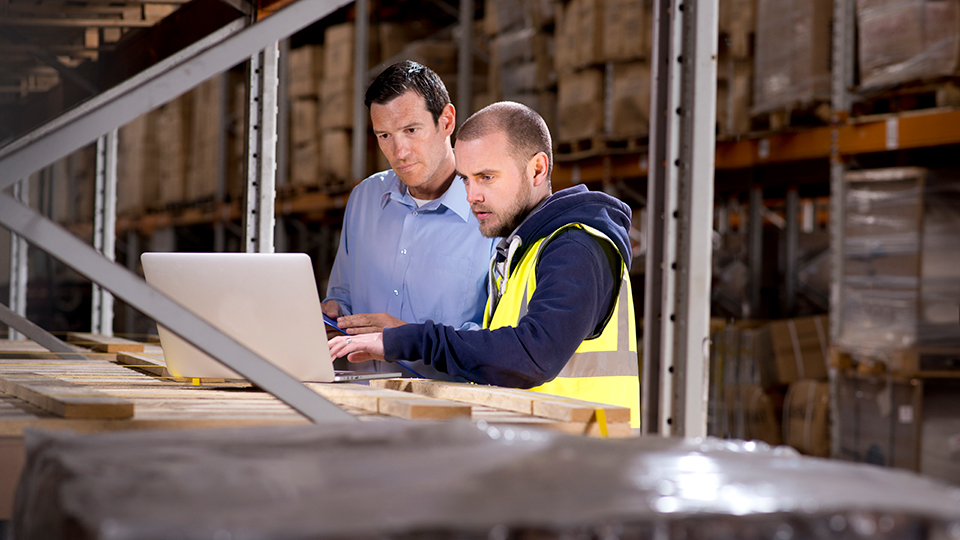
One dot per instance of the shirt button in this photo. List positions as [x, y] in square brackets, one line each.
[396, 292]
[415, 212]
[403, 252]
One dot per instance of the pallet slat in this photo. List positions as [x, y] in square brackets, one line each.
[65, 399]
[522, 401]
[105, 344]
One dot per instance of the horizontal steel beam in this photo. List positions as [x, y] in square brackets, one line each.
[57, 242]
[155, 86]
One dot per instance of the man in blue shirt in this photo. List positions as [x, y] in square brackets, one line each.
[410, 249]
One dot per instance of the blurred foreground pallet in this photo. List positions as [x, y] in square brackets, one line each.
[130, 391]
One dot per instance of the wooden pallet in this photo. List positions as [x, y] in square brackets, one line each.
[909, 97]
[598, 145]
[923, 362]
[815, 113]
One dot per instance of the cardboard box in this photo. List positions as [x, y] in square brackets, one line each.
[305, 70]
[338, 52]
[565, 36]
[173, 125]
[734, 94]
[306, 165]
[580, 104]
[627, 29]
[394, 36]
[753, 414]
[631, 99]
[206, 129]
[336, 155]
[806, 417]
[589, 25]
[137, 158]
[794, 349]
[336, 103]
[304, 115]
[438, 55]
[737, 23]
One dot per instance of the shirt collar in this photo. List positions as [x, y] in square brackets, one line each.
[455, 198]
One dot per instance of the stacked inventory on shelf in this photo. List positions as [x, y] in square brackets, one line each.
[792, 62]
[522, 49]
[737, 23]
[898, 352]
[602, 61]
[769, 383]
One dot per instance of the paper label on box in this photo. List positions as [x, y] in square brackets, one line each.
[906, 414]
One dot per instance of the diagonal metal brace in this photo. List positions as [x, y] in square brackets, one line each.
[51, 238]
[43, 338]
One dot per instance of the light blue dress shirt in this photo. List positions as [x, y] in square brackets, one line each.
[417, 264]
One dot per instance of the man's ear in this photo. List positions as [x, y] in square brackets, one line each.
[448, 119]
[539, 167]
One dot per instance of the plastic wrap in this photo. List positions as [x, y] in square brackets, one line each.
[792, 58]
[901, 253]
[904, 40]
[453, 480]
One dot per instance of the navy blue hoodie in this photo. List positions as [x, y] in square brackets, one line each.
[577, 285]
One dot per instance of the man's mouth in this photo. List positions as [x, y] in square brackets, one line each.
[481, 214]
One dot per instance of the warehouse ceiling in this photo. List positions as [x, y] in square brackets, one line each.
[43, 41]
[55, 54]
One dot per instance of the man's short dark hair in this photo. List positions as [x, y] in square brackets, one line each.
[404, 76]
[527, 133]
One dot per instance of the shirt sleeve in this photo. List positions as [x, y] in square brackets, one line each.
[576, 282]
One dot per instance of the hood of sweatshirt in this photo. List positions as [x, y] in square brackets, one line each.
[576, 205]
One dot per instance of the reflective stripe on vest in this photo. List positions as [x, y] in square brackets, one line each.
[604, 368]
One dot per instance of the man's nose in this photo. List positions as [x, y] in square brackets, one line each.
[473, 193]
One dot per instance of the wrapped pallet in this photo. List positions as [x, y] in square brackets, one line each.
[792, 59]
[901, 257]
[905, 40]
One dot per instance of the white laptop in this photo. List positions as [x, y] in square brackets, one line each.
[267, 302]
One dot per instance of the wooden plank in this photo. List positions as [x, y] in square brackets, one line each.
[105, 344]
[391, 402]
[488, 396]
[65, 399]
[510, 399]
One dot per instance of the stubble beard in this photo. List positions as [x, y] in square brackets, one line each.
[512, 216]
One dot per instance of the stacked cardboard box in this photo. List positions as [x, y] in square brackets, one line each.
[138, 158]
[735, 66]
[336, 102]
[792, 57]
[900, 422]
[766, 369]
[602, 60]
[305, 68]
[206, 132]
[173, 122]
[522, 47]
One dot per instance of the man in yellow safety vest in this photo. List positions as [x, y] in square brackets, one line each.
[559, 316]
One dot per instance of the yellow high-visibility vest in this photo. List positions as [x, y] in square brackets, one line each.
[605, 367]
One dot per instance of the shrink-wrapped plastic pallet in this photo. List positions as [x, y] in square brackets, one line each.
[453, 480]
[901, 257]
[905, 40]
[792, 57]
